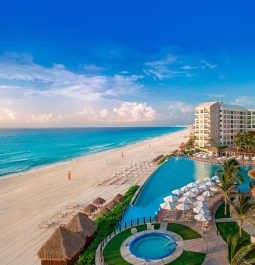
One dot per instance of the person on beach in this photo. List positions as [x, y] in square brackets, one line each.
[122, 155]
[69, 175]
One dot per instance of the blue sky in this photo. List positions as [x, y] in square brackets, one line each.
[111, 63]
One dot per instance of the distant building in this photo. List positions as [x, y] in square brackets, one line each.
[217, 124]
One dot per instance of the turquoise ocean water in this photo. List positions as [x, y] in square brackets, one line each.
[24, 149]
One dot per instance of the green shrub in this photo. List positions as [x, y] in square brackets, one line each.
[106, 224]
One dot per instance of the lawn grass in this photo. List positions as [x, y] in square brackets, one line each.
[112, 250]
[184, 231]
[189, 258]
[112, 254]
[230, 228]
[220, 213]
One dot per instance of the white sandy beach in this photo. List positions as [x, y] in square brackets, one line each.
[37, 196]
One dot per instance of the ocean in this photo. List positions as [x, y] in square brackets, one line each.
[24, 149]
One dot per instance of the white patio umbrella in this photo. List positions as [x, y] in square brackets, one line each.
[209, 183]
[183, 207]
[184, 189]
[177, 192]
[167, 206]
[203, 187]
[186, 200]
[202, 217]
[201, 210]
[206, 180]
[214, 188]
[208, 193]
[200, 203]
[170, 198]
[190, 194]
[191, 185]
[199, 181]
[196, 189]
[201, 198]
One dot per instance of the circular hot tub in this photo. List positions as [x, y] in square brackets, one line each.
[152, 246]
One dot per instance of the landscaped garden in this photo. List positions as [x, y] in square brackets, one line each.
[106, 224]
[240, 250]
[113, 256]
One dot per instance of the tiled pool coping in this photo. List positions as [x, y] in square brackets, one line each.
[129, 257]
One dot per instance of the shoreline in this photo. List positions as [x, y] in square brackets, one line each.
[45, 195]
[89, 154]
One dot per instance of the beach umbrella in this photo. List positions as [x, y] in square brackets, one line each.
[206, 179]
[185, 199]
[201, 198]
[177, 192]
[196, 189]
[170, 198]
[183, 207]
[200, 204]
[191, 185]
[167, 206]
[214, 188]
[203, 187]
[208, 193]
[184, 189]
[201, 209]
[98, 201]
[190, 194]
[199, 181]
[202, 217]
[209, 183]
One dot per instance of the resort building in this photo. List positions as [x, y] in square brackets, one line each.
[217, 123]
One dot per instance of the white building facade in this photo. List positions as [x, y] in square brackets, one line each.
[217, 124]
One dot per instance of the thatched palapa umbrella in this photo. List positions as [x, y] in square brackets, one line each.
[118, 198]
[82, 224]
[102, 211]
[98, 201]
[89, 209]
[110, 205]
[62, 248]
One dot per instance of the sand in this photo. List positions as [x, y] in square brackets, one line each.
[30, 199]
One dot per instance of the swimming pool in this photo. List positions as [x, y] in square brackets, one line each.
[171, 175]
[152, 246]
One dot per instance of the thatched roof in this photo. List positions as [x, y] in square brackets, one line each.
[98, 201]
[251, 173]
[62, 245]
[103, 211]
[118, 198]
[82, 224]
[110, 205]
[89, 209]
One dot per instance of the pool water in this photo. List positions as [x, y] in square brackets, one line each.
[152, 246]
[171, 175]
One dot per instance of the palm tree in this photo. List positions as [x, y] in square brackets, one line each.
[226, 188]
[241, 206]
[237, 253]
[230, 171]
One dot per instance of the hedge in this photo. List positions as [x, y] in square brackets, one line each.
[106, 224]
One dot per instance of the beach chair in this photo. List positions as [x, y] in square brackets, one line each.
[150, 226]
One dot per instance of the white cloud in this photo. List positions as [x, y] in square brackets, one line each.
[7, 115]
[243, 101]
[43, 118]
[127, 112]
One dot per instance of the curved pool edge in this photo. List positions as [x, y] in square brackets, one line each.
[129, 257]
[136, 195]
